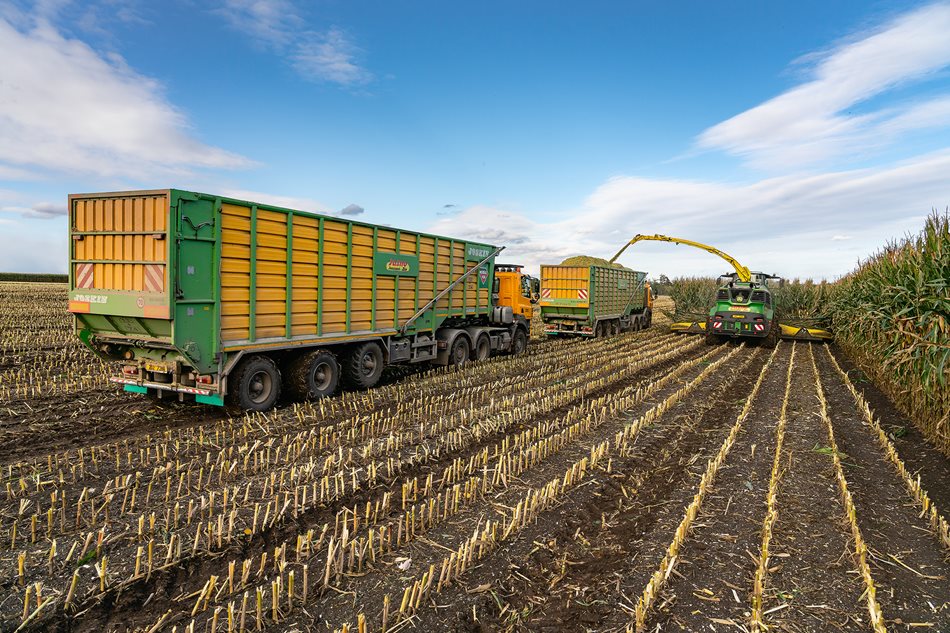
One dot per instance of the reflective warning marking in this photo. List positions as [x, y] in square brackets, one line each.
[545, 293]
[84, 275]
[581, 294]
[154, 278]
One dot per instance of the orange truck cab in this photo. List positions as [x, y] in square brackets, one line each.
[516, 289]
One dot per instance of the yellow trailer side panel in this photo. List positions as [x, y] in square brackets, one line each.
[336, 286]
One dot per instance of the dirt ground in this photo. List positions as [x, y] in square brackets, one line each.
[535, 493]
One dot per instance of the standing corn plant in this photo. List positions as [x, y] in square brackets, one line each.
[892, 313]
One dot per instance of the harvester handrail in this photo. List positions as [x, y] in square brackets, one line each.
[744, 273]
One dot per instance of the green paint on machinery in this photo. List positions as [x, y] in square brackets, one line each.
[182, 288]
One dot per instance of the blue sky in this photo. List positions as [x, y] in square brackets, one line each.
[798, 136]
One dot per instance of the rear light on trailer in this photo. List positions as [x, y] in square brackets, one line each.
[587, 329]
[204, 380]
[130, 370]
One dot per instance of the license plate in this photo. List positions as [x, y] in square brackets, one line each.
[160, 368]
[740, 308]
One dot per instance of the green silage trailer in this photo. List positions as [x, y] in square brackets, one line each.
[218, 298]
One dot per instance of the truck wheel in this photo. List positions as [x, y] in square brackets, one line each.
[615, 327]
[482, 348]
[255, 384]
[313, 375]
[519, 343]
[460, 351]
[363, 366]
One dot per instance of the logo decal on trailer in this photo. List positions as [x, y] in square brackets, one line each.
[84, 275]
[398, 265]
[154, 278]
[581, 294]
[482, 275]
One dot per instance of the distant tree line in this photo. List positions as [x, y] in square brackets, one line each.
[36, 277]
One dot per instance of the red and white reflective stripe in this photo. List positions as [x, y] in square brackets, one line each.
[759, 327]
[717, 325]
[545, 293]
[154, 278]
[84, 275]
[581, 294]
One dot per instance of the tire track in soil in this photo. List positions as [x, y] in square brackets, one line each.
[435, 543]
[593, 544]
[166, 584]
[814, 584]
[714, 572]
[917, 453]
[899, 540]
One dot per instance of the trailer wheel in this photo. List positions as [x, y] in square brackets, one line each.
[615, 328]
[482, 348]
[519, 342]
[363, 366]
[313, 375]
[461, 351]
[255, 384]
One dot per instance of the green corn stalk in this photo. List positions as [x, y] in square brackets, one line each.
[892, 314]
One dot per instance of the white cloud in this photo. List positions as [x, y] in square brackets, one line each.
[352, 209]
[44, 210]
[268, 20]
[65, 108]
[812, 123]
[791, 225]
[327, 56]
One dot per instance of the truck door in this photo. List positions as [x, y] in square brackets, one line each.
[196, 282]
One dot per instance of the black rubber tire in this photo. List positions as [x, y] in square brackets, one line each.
[460, 353]
[255, 384]
[615, 327]
[519, 342]
[363, 366]
[313, 375]
[647, 319]
[482, 348]
[771, 340]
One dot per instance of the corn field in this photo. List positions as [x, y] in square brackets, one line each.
[640, 482]
[892, 315]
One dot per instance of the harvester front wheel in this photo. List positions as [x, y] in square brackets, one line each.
[363, 366]
[710, 338]
[255, 384]
[314, 375]
[771, 339]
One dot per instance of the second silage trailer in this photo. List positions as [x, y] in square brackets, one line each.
[594, 300]
[191, 293]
